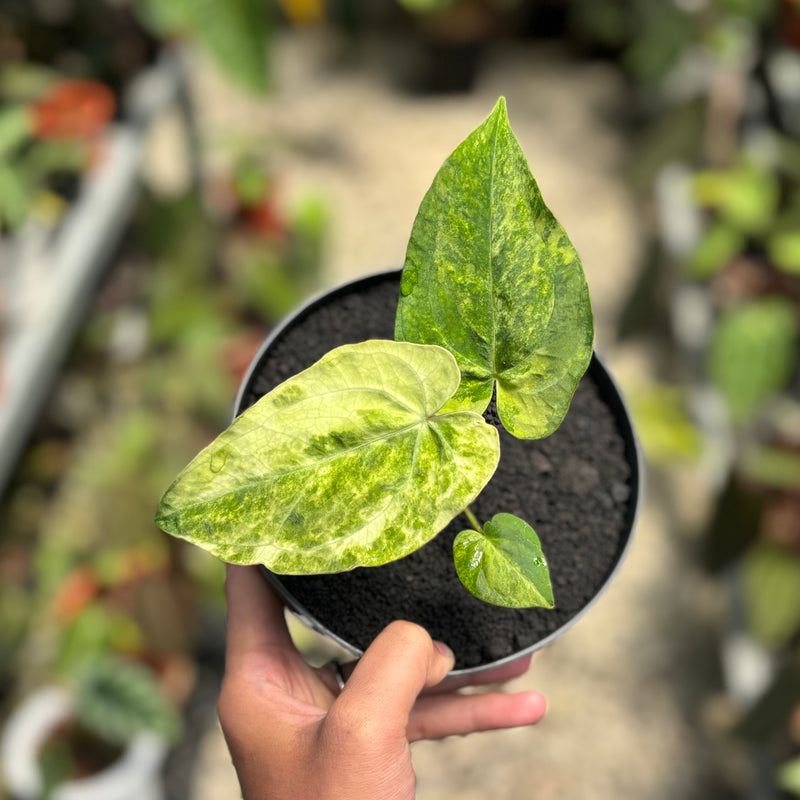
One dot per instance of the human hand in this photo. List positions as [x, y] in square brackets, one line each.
[294, 735]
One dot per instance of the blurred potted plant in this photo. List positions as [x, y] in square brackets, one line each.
[104, 737]
[453, 35]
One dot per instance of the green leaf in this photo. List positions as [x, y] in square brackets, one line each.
[784, 251]
[789, 776]
[657, 43]
[425, 6]
[15, 129]
[491, 276]
[504, 565]
[752, 355]
[235, 32]
[15, 196]
[720, 244]
[116, 700]
[773, 467]
[772, 593]
[745, 196]
[666, 431]
[346, 464]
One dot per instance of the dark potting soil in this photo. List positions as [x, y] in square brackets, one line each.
[574, 488]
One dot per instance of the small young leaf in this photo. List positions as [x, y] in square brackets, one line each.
[504, 565]
[491, 275]
[346, 464]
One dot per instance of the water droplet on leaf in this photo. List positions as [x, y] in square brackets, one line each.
[218, 460]
[408, 281]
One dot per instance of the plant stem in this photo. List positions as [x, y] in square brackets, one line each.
[473, 519]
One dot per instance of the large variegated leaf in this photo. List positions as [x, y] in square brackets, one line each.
[504, 564]
[346, 464]
[491, 275]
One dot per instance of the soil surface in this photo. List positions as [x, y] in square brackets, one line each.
[573, 487]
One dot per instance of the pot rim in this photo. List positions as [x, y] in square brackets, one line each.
[612, 396]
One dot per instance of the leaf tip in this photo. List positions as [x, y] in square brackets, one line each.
[500, 108]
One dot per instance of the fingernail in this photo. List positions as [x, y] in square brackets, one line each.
[443, 649]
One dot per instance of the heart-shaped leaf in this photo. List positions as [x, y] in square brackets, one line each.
[346, 464]
[491, 275]
[504, 565]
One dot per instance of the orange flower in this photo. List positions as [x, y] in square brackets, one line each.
[74, 594]
[73, 109]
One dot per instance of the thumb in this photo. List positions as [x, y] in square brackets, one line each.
[380, 694]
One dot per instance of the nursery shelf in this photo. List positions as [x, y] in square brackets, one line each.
[49, 279]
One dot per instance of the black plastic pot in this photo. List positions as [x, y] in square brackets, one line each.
[579, 488]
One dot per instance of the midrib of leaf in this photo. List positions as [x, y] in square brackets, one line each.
[328, 459]
[490, 190]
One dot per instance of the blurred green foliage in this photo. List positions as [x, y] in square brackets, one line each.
[235, 32]
[789, 776]
[753, 353]
[151, 380]
[116, 700]
[772, 593]
[664, 427]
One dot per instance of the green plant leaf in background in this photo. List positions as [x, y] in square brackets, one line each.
[425, 6]
[772, 593]
[666, 431]
[491, 276]
[504, 564]
[15, 196]
[661, 36]
[116, 700]
[16, 127]
[720, 244]
[745, 196]
[774, 467]
[783, 248]
[299, 502]
[789, 776]
[235, 32]
[752, 10]
[752, 353]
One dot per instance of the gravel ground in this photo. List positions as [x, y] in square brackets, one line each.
[625, 686]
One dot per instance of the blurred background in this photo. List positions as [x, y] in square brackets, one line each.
[176, 175]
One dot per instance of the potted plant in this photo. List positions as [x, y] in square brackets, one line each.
[339, 478]
[104, 736]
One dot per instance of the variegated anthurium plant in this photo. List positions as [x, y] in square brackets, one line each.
[366, 455]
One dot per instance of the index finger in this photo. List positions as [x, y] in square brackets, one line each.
[506, 672]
